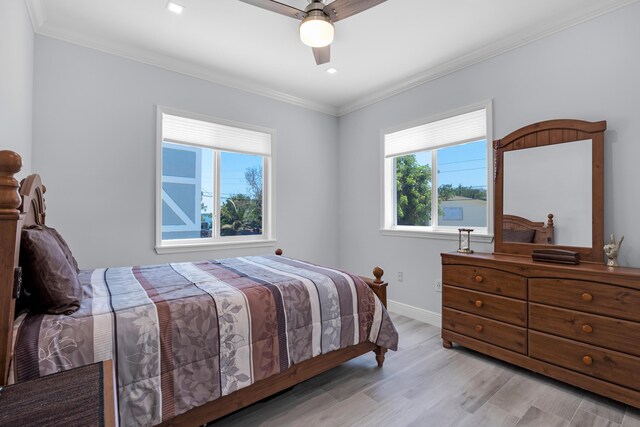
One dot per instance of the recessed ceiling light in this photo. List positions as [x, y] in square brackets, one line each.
[175, 8]
[331, 70]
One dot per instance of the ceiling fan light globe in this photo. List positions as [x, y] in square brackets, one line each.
[316, 31]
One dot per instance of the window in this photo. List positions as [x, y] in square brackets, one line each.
[436, 172]
[215, 183]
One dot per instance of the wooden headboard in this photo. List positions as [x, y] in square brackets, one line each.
[544, 233]
[20, 205]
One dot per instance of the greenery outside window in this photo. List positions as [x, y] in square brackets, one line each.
[214, 185]
[437, 175]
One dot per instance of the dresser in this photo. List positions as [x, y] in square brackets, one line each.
[576, 323]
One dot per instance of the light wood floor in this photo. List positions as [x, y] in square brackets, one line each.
[423, 384]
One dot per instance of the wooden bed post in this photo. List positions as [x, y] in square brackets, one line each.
[10, 228]
[379, 287]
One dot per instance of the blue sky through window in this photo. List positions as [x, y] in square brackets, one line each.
[464, 164]
[232, 181]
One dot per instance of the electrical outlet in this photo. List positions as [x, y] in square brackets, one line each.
[438, 286]
[400, 276]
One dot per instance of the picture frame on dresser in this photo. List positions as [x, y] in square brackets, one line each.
[575, 323]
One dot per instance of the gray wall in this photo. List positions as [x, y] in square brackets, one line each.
[589, 72]
[94, 140]
[94, 145]
[16, 81]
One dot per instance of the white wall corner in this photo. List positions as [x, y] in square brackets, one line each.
[415, 313]
[37, 14]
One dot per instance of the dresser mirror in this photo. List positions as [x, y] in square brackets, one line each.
[549, 189]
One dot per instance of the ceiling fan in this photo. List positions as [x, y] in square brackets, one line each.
[316, 28]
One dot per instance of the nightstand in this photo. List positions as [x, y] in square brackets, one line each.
[82, 396]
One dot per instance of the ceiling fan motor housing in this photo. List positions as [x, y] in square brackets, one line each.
[315, 5]
[316, 29]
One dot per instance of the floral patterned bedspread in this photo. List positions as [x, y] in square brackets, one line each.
[185, 334]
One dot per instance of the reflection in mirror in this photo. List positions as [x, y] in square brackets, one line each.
[551, 179]
[516, 229]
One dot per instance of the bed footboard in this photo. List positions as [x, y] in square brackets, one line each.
[379, 287]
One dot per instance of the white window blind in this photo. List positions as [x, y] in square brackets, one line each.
[214, 135]
[463, 128]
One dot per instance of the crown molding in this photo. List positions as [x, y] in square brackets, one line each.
[44, 28]
[488, 52]
[37, 13]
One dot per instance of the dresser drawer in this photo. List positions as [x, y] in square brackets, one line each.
[591, 297]
[608, 332]
[493, 306]
[595, 361]
[485, 280]
[487, 330]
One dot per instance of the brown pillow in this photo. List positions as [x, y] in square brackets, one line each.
[518, 236]
[64, 247]
[52, 281]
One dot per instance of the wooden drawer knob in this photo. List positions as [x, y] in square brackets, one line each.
[587, 297]
[478, 303]
[587, 360]
[587, 329]
[479, 328]
[479, 278]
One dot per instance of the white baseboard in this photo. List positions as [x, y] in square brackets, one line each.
[416, 313]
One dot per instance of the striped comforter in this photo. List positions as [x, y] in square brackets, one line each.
[185, 334]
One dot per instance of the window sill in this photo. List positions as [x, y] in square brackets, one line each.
[432, 234]
[202, 247]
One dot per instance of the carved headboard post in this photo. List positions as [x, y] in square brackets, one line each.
[10, 227]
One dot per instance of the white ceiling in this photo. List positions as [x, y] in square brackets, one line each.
[389, 48]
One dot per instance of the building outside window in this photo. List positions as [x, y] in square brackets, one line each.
[436, 174]
[215, 183]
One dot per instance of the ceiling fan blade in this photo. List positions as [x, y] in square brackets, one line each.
[277, 7]
[341, 9]
[322, 54]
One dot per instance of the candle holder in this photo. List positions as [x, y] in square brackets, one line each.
[464, 240]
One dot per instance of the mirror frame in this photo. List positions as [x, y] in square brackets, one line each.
[549, 133]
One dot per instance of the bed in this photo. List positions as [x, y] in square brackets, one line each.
[193, 341]
[517, 229]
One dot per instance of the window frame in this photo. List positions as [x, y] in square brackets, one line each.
[388, 209]
[216, 242]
